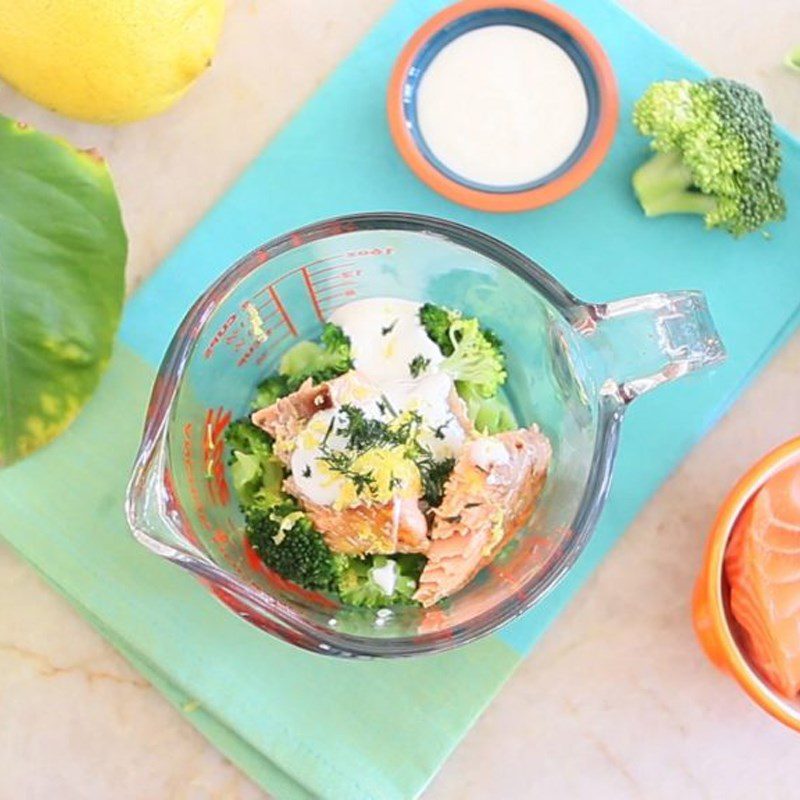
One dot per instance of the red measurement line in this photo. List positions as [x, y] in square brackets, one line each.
[344, 285]
[261, 291]
[348, 293]
[329, 279]
[270, 315]
[274, 283]
[323, 260]
[275, 299]
[258, 309]
[330, 309]
[330, 269]
[304, 268]
[265, 317]
[312, 294]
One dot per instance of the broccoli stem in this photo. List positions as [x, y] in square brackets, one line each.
[664, 186]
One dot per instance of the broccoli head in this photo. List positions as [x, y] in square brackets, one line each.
[490, 415]
[320, 362]
[378, 581]
[286, 541]
[269, 390]
[437, 320]
[716, 154]
[474, 354]
[245, 437]
[257, 475]
[477, 359]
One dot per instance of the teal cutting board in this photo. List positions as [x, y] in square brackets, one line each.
[336, 157]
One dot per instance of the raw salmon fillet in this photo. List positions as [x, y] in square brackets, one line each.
[762, 565]
[489, 496]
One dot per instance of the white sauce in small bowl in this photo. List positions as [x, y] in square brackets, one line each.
[502, 106]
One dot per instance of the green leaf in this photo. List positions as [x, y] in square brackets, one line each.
[792, 59]
[62, 261]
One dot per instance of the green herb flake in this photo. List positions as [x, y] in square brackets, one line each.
[418, 365]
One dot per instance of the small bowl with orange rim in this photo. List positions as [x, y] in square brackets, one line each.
[749, 585]
[503, 105]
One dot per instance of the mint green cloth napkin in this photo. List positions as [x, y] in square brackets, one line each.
[251, 695]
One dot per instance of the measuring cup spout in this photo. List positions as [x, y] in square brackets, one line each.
[653, 339]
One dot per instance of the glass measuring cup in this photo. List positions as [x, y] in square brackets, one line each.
[573, 368]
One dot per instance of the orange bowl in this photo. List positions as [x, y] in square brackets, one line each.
[711, 615]
[570, 175]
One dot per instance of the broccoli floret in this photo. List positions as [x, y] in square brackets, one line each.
[473, 354]
[363, 581]
[242, 435]
[437, 320]
[287, 542]
[490, 415]
[320, 362]
[476, 359]
[257, 475]
[269, 390]
[716, 154]
[335, 340]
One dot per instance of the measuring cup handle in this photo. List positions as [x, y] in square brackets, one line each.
[655, 338]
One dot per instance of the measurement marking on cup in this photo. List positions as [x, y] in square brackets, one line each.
[350, 293]
[329, 286]
[279, 305]
[312, 294]
[265, 318]
[326, 291]
[354, 273]
[333, 267]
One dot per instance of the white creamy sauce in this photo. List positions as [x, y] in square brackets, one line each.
[487, 453]
[502, 105]
[385, 577]
[385, 336]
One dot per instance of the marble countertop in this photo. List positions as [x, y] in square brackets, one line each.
[617, 701]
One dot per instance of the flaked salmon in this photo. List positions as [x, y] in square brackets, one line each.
[489, 496]
[458, 408]
[397, 527]
[762, 565]
[287, 417]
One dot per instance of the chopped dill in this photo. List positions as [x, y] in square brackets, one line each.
[435, 475]
[418, 365]
[385, 400]
[328, 432]
[438, 432]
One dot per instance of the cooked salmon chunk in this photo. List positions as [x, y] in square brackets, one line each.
[489, 496]
[285, 418]
[458, 408]
[398, 527]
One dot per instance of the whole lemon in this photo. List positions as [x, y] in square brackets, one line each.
[107, 60]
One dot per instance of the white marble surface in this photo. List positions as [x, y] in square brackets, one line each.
[617, 701]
